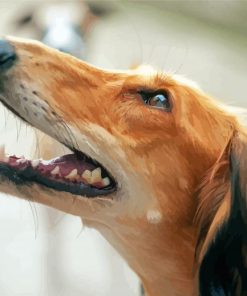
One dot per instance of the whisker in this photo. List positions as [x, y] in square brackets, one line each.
[5, 121]
[37, 143]
[81, 230]
[35, 217]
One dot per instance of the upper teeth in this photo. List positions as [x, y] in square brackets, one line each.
[55, 171]
[72, 174]
[96, 175]
[87, 176]
[106, 181]
[35, 163]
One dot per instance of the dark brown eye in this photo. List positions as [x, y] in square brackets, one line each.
[159, 100]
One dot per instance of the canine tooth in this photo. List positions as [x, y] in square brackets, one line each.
[106, 181]
[35, 163]
[72, 174]
[87, 175]
[55, 171]
[96, 175]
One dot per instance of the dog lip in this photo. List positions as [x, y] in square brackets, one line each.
[27, 177]
[21, 172]
[70, 173]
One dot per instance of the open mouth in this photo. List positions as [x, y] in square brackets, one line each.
[74, 173]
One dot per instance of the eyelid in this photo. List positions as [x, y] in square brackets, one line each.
[146, 94]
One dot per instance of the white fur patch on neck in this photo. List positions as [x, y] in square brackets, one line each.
[154, 216]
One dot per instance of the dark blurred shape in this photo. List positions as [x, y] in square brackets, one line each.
[7, 54]
[101, 8]
[63, 25]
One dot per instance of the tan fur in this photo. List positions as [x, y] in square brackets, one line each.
[159, 159]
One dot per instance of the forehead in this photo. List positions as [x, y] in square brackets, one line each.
[149, 78]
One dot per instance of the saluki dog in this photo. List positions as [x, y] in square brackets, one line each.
[156, 166]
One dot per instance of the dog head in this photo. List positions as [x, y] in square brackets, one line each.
[152, 135]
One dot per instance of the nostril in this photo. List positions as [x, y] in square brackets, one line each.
[7, 54]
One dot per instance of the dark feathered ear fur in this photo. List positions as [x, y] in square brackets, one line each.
[222, 219]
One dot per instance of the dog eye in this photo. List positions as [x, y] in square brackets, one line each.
[158, 100]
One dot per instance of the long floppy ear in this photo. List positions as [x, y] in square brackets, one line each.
[222, 217]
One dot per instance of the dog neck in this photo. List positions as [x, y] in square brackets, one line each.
[161, 255]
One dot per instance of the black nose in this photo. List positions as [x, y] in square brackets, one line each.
[7, 55]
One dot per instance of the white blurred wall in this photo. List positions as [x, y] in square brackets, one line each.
[44, 252]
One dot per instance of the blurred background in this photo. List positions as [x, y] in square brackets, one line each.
[42, 251]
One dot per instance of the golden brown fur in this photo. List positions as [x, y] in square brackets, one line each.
[165, 209]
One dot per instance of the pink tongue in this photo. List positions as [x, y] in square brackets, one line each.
[66, 164]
